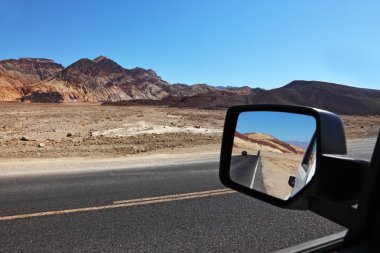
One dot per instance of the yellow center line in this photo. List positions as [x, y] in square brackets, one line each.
[124, 203]
[171, 196]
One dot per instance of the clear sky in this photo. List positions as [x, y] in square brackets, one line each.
[283, 126]
[255, 43]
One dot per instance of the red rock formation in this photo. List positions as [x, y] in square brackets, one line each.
[101, 79]
[16, 75]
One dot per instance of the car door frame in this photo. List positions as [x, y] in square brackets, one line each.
[361, 239]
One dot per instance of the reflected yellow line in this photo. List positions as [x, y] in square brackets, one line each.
[124, 203]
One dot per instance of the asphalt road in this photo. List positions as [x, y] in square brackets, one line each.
[202, 221]
[243, 169]
[246, 170]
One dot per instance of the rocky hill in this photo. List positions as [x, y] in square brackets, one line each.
[329, 96]
[103, 80]
[17, 75]
[337, 98]
[100, 79]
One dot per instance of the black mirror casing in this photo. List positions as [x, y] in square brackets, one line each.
[331, 147]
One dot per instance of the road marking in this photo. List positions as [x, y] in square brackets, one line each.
[174, 196]
[254, 173]
[124, 203]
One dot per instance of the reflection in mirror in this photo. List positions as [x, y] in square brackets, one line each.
[274, 152]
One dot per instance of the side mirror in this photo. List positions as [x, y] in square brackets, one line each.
[289, 156]
[274, 146]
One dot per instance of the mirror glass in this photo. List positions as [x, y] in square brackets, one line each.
[274, 152]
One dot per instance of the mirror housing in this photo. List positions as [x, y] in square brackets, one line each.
[337, 179]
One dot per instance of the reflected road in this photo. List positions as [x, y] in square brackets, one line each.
[246, 170]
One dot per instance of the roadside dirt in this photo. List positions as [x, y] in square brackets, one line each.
[276, 169]
[91, 130]
[360, 127]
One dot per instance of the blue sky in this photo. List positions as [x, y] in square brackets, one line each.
[254, 43]
[284, 126]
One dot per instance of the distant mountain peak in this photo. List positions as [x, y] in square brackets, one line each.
[107, 64]
[30, 61]
[36, 59]
[296, 83]
[303, 83]
[80, 64]
[143, 72]
[100, 58]
[37, 69]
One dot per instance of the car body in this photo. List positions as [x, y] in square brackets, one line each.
[306, 169]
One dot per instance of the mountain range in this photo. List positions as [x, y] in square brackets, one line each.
[103, 80]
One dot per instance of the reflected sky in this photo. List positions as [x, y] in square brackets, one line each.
[284, 126]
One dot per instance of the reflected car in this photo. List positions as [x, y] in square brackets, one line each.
[306, 169]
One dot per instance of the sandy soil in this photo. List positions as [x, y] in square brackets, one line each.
[32, 166]
[359, 127]
[276, 169]
[90, 130]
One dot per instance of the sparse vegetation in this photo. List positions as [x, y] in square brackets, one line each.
[81, 129]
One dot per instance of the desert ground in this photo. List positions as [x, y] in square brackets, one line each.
[358, 127]
[90, 130]
[276, 169]
[96, 131]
